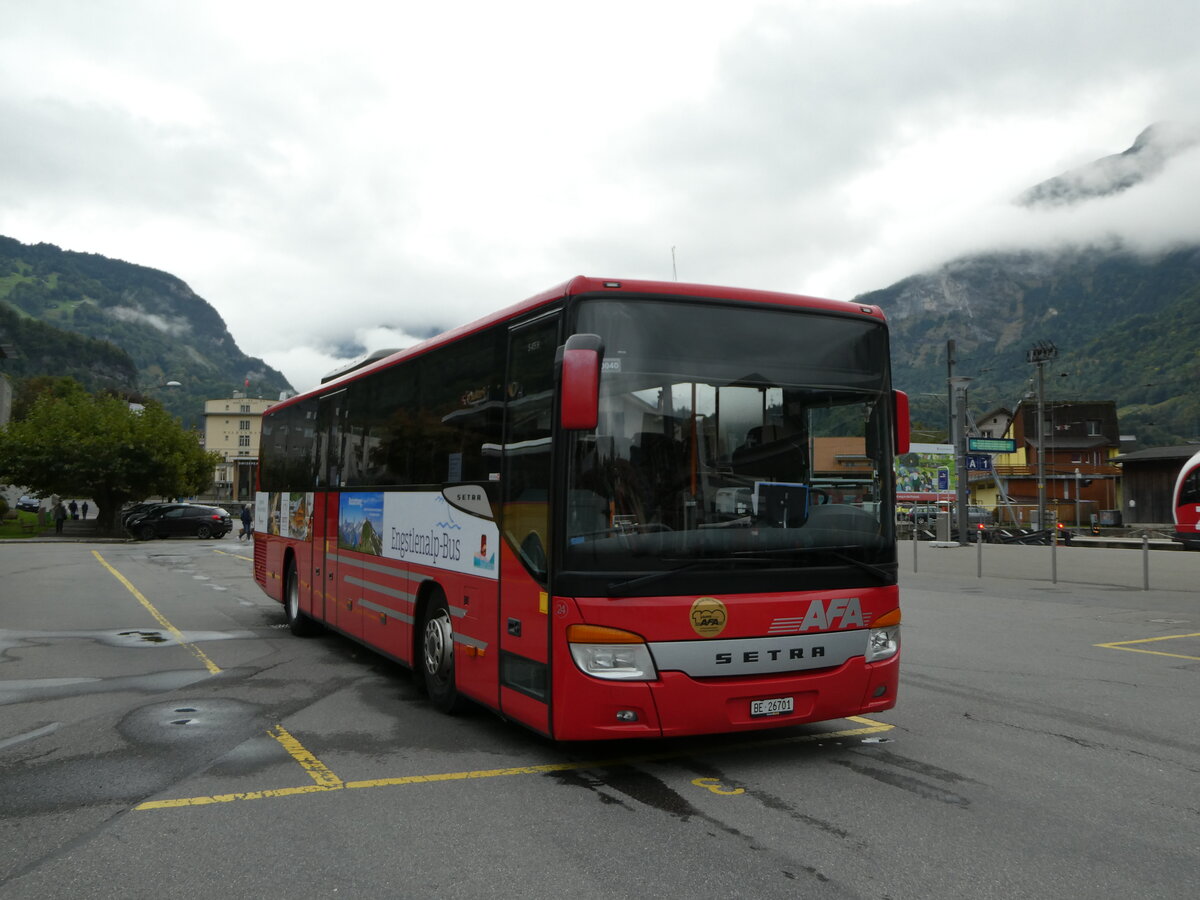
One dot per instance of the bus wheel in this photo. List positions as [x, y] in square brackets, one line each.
[300, 624]
[437, 655]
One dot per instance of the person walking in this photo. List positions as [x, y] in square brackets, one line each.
[74, 508]
[247, 519]
[84, 509]
[60, 516]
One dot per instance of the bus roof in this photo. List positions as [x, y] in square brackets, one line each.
[580, 284]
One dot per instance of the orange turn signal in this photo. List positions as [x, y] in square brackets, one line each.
[601, 634]
[889, 618]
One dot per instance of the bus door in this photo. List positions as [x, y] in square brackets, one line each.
[340, 575]
[324, 554]
[525, 522]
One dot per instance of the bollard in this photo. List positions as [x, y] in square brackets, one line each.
[1146, 561]
[1054, 556]
[914, 549]
[979, 554]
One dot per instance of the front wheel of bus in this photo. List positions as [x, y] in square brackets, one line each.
[300, 624]
[437, 656]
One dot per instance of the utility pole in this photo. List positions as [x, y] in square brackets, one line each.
[1040, 354]
[958, 389]
[950, 361]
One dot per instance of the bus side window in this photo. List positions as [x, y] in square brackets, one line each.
[1190, 490]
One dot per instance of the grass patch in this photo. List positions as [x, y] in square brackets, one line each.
[25, 525]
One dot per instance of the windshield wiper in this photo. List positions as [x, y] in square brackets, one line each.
[836, 552]
[693, 564]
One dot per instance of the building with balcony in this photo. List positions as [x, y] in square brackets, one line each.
[232, 428]
[1081, 439]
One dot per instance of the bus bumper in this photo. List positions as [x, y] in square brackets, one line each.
[677, 705]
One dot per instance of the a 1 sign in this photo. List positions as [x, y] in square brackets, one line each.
[979, 462]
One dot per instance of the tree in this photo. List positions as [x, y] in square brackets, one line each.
[29, 389]
[83, 446]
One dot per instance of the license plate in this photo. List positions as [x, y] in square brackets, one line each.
[774, 707]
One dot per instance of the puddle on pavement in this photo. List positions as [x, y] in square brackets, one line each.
[125, 638]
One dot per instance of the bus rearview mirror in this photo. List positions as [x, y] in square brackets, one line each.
[580, 382]
[900, 419]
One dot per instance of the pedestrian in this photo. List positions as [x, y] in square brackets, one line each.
[247, 519]
[74, 508]
[60, 516]
[84, 509]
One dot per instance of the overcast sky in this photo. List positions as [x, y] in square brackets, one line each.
[344, 176]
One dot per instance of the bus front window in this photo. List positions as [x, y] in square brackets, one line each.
[700, 459]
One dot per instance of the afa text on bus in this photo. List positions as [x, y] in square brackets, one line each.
[617, 509]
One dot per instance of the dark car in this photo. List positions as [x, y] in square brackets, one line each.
[179, 520]
[140, 509]
[28, 504]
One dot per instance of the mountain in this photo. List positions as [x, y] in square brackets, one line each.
[168, 332]
[1147, 156]
[42, 349]
[1126, 325]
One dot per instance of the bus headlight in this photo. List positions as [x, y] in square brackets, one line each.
[610, 653]
[884, 640]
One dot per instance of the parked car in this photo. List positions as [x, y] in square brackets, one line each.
[976, 515]
[140, 509]
[979, 515]
[28, 504]
[179, 520]
[923, 514]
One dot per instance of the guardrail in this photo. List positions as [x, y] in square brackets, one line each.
[1052, 538]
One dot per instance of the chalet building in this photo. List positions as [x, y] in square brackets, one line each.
[232, 428]
[1081, 440]
[1148, 483]
[994, 424]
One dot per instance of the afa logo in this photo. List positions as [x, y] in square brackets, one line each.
[709, 616]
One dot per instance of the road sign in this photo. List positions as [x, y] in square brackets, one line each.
[979, 462]
[943, 479]
[991, 445]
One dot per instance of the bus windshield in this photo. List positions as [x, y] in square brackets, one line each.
[735, 446]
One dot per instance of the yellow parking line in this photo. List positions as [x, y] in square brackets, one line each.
[234, 555]
[159, 617]
[229, 798]
[318, 770]
[1124, 645]
[327, 781]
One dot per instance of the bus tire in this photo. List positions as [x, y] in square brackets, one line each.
[299, 623]
[437, 655]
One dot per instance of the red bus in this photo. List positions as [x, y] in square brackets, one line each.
[617, 509]
[1186, 504]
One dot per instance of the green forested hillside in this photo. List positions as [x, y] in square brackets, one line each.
[1126, 327]
[43, 349]
[170, 333]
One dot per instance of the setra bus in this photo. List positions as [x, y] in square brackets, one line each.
[617, 509]
[1185, 503]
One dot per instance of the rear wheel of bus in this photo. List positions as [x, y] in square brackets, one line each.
[437, 654]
